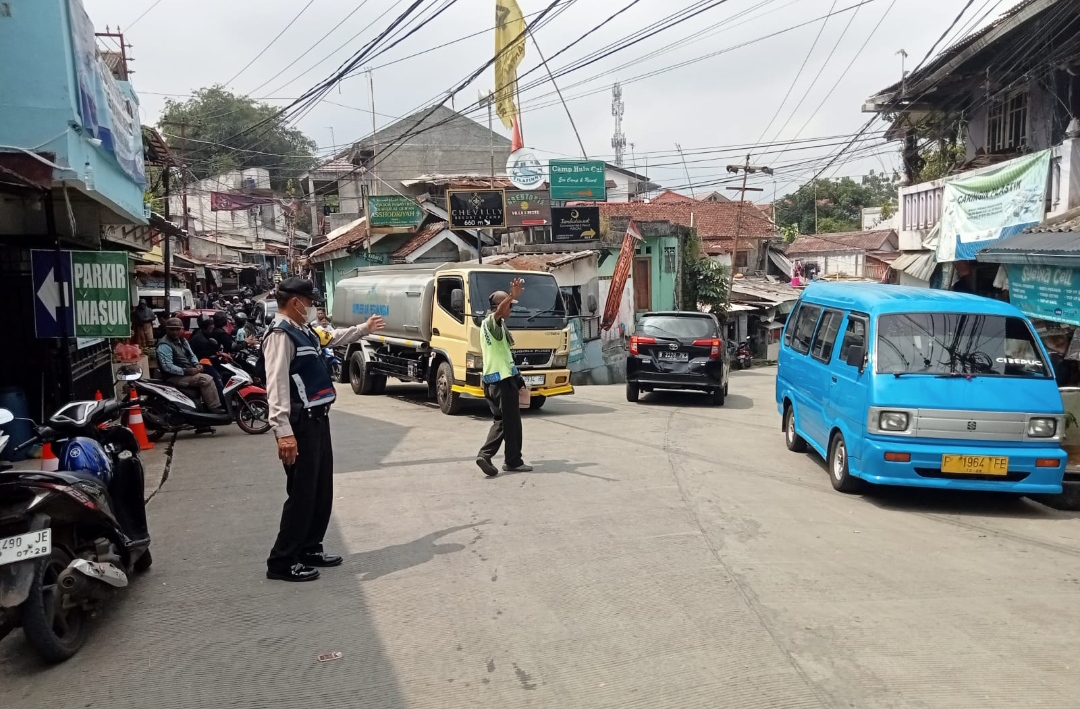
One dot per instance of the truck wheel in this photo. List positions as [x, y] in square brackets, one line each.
[537, 402]
[358, 376]
[449, 400]
[378, 383]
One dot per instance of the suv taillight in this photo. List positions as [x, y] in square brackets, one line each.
[714, 343]
[638, 340]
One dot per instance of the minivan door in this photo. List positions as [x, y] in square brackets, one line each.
[814, 418]
[848, 387]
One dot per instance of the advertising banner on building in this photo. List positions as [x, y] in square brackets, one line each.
[472, 209]
[527, 208]
[619, 276]
[578, 180]
[1046, 292]
[575, 223]
[393, 211]
[982, 206]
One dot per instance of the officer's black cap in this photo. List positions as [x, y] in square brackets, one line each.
[298, 286]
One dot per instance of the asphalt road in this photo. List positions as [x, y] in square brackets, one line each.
[663, 554]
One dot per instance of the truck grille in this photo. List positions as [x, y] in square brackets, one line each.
[533, 359]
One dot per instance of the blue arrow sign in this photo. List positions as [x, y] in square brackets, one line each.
[54, 315]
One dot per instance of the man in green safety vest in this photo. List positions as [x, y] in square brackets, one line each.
[502, 382]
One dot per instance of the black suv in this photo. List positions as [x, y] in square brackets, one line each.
[677, 350]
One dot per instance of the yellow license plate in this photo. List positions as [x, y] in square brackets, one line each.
[974, 465]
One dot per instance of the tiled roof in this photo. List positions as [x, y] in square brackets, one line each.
[426, 234]
[880, 240]
[1067, 222]
[461, 182]
[713, 220]
[357, 235]
[669, 196]
[537, 262]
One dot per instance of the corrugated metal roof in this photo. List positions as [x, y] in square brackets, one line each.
[764, 290]
[918, 264]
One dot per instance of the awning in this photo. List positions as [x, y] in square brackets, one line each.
[1044, 249]
[782, 262]
[917, 264]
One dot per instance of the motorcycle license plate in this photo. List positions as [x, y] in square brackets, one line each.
[25, 546]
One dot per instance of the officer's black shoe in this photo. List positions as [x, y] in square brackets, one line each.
[321, 559]
[487, 466]
[298, 572]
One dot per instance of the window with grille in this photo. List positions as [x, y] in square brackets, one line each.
[1006, 123]
[669, 259]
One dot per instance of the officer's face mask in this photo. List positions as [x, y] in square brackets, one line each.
[310, 312]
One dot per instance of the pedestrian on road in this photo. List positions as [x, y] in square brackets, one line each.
[502, 383]
[299, 391]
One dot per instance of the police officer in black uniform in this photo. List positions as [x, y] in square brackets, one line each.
[299, 391]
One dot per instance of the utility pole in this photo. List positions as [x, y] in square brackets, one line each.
[489, 101]
[166, 255]
[686, 170]
[182, 125]
[374, 149]
[746, 169]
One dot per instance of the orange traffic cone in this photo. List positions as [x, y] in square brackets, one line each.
[49, 462]
[135, 423]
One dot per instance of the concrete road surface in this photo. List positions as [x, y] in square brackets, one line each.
[663, 554]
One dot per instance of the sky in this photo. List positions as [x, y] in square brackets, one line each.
[715, 84]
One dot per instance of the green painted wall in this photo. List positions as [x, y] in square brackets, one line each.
[663, 283]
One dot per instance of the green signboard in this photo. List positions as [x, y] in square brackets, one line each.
[101, 293]
[578, 180]
[393, 211]
[1046, 292]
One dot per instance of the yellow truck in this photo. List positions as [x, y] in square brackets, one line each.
[433, 314]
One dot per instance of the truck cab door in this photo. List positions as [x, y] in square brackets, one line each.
[449, 331]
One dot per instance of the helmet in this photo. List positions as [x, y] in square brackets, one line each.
[220, 319]
[86, 458]
[240, 320]
[204, 320]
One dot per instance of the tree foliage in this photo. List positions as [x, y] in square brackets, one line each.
[839, 202]
[705, 282]
[218, 139]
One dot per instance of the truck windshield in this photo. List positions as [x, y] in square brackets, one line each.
[957, 344]
[540, 307]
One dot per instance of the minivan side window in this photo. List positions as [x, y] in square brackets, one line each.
[805, 325]
[854, 336]
[791, 324]
[825, 338]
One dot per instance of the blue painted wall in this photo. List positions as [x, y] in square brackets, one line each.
[39, 103]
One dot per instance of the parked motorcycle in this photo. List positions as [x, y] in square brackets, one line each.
[742, 355]
[333, 363]
[168, 408]
[69, 539]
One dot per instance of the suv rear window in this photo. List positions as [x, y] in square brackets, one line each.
[689, 327]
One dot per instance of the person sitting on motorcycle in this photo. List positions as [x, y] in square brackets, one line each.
[205, 345]
[179, 366]
[245, 330]
[227, 342]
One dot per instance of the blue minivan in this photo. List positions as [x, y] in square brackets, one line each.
[919, 387]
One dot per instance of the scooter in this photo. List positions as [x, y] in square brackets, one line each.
[743, 356]
[169, 409]
[70, 538]
[333, 363]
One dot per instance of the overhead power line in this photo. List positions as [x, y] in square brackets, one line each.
[271, 44]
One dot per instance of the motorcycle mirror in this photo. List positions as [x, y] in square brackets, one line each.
[128, 373]
[6, 417]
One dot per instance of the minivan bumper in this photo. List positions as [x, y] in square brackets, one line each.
[924, 468]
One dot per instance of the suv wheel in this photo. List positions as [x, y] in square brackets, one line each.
[633, 391]
[841, 479]
[794, 441]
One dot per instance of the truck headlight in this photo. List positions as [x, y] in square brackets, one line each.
[474, 361]
[1042, 427]
[560, 361]
[893, 421]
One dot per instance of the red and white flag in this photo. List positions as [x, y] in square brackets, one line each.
[618, 278]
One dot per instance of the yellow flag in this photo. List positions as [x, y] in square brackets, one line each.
[509, 51]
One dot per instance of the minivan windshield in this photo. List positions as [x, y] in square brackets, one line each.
[540, 306]
[954, 344]
[682, 328]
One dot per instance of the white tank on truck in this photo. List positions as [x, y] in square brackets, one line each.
[432, 335]
[401, 295]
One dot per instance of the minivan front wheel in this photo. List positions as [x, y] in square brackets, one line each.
[839, 475]
[794, 441]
